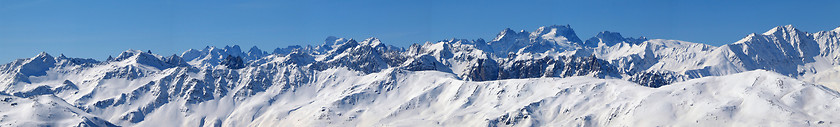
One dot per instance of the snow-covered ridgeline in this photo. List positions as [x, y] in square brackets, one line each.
[342, 79]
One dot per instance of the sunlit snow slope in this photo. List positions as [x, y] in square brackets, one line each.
[428, 98]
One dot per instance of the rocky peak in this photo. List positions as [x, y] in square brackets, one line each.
[128, 54]
[508, 41]
[787, 31]
[144, 58]
[611, 38]
[175, 60]
[557, 33]
[373, 42]
[255, 51]
[191, 54]
[333, 42]
[233, 62]
[287, 50]
[43, 56]
[235, 50]
[38, 65]
[508, 34]
[340, 47]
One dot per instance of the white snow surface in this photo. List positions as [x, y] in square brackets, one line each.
[429, 98]
[340, 97]
[46, 110]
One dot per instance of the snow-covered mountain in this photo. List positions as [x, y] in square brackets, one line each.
[545, 77]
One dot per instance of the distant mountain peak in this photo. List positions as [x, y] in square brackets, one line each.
[332, 40]
[254, 49]
[42, 55]
[608, 34]
[611, 38]
[372, 42]
[608, 37]
[782, 29]
[546, 38]
[128, 53]
[557, 33]
[507, 33]
[148, 59]
[234, 49]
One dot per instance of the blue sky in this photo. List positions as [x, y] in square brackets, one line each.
[96, 29]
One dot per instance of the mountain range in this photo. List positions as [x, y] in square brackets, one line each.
[545, 77]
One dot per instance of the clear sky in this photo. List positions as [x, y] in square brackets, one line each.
[98, 28]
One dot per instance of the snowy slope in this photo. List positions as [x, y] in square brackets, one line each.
[430, 98]
[44, 110]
